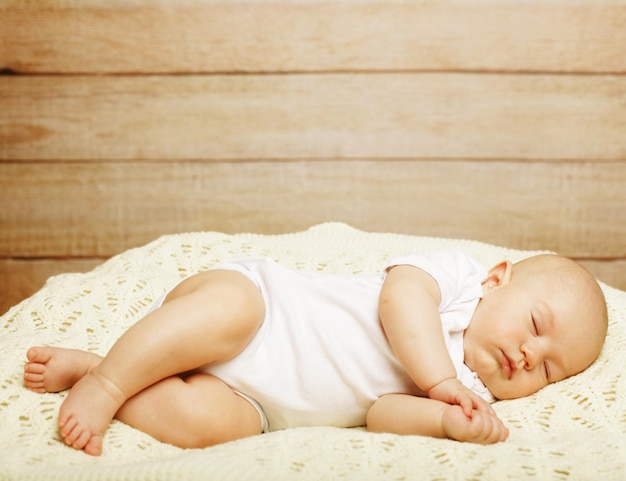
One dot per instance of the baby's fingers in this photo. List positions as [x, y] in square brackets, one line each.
[470, 402]
[467, 405]
[499, 433]
[480, 428]
[483, 406]
[493, 430]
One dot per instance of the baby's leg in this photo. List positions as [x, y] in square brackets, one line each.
[209, 317]
[55, 369]
[196, 412]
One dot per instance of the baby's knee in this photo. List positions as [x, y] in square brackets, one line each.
[234, 297]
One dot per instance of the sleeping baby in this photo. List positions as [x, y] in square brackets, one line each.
[250, 346]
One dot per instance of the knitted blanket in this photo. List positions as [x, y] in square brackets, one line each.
[572, 430]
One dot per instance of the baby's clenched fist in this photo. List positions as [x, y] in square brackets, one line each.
[481, 428]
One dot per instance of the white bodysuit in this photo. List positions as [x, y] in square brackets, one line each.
[321, 358]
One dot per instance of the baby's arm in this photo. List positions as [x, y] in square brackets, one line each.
[406, 414]
[409, 313]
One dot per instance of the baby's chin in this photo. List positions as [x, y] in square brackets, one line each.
[498, 388]
[502, 392]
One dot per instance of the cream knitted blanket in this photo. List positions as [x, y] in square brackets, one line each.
[572, 430]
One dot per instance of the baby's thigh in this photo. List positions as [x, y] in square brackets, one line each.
[228, 292]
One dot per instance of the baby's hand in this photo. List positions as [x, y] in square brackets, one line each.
[481, 427]
[452, 391]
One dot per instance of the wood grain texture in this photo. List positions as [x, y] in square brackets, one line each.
[86, 209]
[96, 36]
[498, 121]
[466, 116]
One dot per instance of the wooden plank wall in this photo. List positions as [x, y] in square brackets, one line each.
[122, 120]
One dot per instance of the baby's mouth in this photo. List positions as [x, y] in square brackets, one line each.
[508, 367]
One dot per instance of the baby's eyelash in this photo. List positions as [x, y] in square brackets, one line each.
[535, 325]
[547, 370]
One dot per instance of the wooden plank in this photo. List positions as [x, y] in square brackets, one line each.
[21, 278]
[97, 36]
[97, 210]
[466, 116]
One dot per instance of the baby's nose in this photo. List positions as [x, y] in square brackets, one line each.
[530, 355]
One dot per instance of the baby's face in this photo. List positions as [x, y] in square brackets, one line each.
[525, 335]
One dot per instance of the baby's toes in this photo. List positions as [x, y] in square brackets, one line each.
[39, 354]
[94, 445]
[35, 386]
[81, 441]
[34, 381]
[35, 368]
[69, 429]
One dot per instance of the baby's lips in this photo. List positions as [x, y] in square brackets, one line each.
[507, 365]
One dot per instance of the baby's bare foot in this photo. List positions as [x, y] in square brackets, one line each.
[54, 369]
[87, 411]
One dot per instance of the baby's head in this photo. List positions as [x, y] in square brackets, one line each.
[540, 320]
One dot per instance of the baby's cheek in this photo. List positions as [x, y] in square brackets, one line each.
[503, 388]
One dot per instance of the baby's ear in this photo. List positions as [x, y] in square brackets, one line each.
[499, 275]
